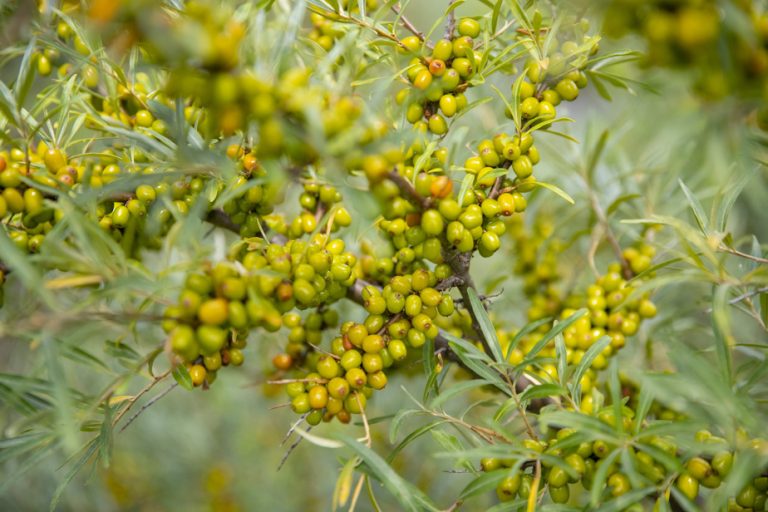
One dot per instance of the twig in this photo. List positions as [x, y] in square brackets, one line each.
[744, 296]
[496, 190]
[407, 23]
[293, 428]
[148, 404]
[450, 27]
[290, 449]
[220, 219]
[407, 189]
[454, 506]
[146, 389]
[735, 252]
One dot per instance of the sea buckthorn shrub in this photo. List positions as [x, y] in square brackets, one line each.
[369, 220]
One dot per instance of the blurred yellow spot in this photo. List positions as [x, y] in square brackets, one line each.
[104, 11]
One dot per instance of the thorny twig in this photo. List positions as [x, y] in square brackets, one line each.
[407, 23]
[450, 26]
[148, 405]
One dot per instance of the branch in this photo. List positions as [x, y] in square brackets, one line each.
[220, 219]
[407, 23]
[735, 252]
[148, 405]
[407, 189]
[450, 27]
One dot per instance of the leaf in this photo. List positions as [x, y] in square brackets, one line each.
[26, 74]
[545, 390]
[601, 475]
[557, 190]
[394, 427]
[467, 182]
[586, 361]
[486, 482]
[698, 210]
[412, 437]
[430, 370]
[90, 450]
[619, 201]
[63, 400]
[476, 360]
[181, 375]
[625, 500]
[729, 197]
[115, 400]
[343, 486]
[454, 390]
[529, 328]
[595, 154]
[495, 15]
[554, 331]
[489, 331]
[562, 355]
[322, 442]
[722, 331]
[600, 87]
[404, 492]
[452, 444]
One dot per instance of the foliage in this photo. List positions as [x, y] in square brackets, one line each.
[393, 223]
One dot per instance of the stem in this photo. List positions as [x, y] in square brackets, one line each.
[407, 23]
[626, 270]
[146, 389]
[735, 252]
[148, 405]
[450, 27]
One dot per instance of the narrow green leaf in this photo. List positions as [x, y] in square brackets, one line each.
[181, 375]
[722, 330]
[495, 15]
[397, 421]
[601, 476]
[322, 442]
[343, 486]
[562, 362]
[26, 74]
[412, 437]
[586, 361]
[468, 181]
[732, 192]
[545, 390]
[698, 210]
[90, 450]
[557, 190]
[489, 331]
[454, 390]
[404, 492]
[484, 483]
[529, 328]
[556, 329]
[595, 154]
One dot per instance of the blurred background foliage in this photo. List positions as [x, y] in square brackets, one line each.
[221, 450]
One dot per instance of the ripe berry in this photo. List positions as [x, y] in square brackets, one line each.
[213, 312]
[197, 374]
